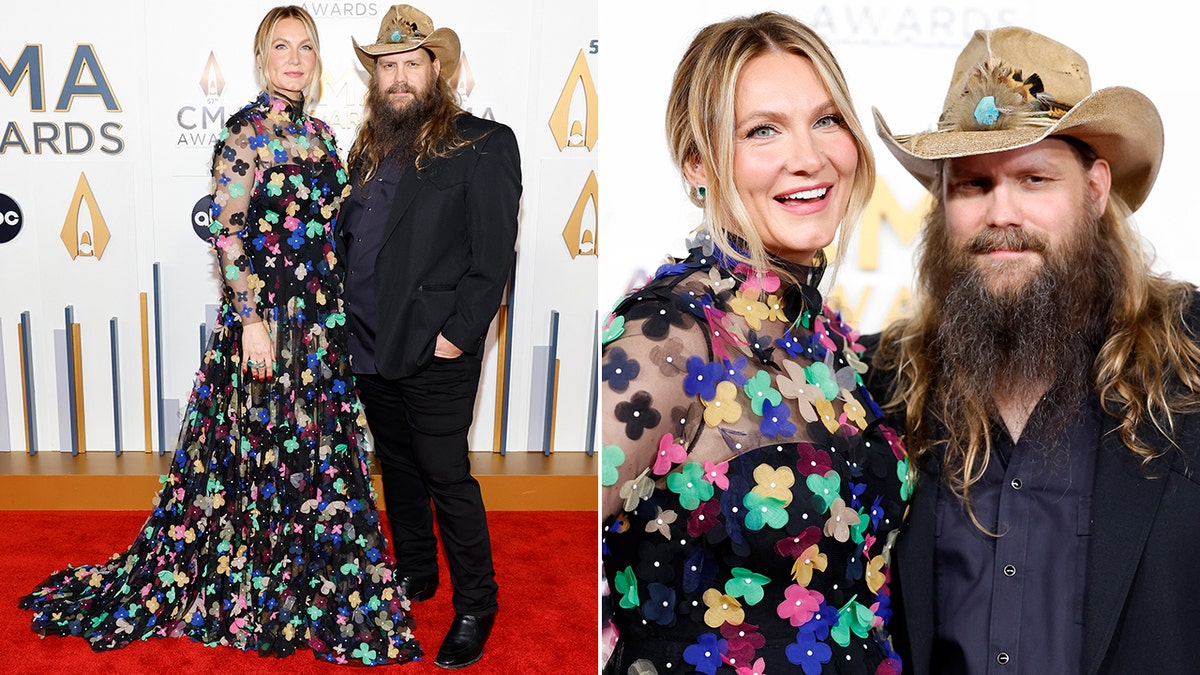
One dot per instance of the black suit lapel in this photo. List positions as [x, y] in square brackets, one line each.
[406, 190]
[1124, 504]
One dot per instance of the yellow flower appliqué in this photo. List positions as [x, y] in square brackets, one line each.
[874, 575]
[811, 559]
[724, 406]
[722, 609]
[775, 309]
[751, 309]
[776, 483]
[853, 409]
[825, 413]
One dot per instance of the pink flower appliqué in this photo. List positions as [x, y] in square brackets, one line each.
[823, 336]
[756, 280]
[726, 343]
[669, 454]
[715, 474]
[799, 605]
[893, 440]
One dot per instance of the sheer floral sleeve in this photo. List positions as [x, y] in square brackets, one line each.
[236, 169]
[747, 478]
[650, 416]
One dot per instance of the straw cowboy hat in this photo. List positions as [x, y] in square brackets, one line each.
[1012, 88]
[405, 28]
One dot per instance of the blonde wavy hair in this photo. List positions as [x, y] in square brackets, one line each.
[1146, 372]
[262, 45]
[700, 123]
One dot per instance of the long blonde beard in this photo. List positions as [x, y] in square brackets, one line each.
[987, 345]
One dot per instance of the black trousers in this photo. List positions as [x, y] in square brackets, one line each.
[420, 425]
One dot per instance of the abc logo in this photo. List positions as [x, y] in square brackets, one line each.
[11, 219]
[202, 217]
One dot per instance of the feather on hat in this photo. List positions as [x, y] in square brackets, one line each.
[405, 28]
[1012, 88]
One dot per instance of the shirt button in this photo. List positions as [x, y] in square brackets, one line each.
[1009, 570]
[1002, 658]
[1016, 483]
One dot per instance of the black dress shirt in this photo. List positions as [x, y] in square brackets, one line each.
[1013, 603]
[364, 221]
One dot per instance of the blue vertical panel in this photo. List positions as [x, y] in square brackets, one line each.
[551, 376]
[73, 403]
[116, 386]
[594, 390]
[28, 392]
[5, 445]
[158, 361]
[508, 337]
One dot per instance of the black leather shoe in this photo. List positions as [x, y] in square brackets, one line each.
[464, 642]
[419, 588]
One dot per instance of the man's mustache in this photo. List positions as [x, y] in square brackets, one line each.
[1007, 239]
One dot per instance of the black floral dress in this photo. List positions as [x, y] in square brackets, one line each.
[266, 535]
[758, 489]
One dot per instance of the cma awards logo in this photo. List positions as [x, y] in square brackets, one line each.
[84, 231]
[463, 82]
[938, 24]
[200, 124]
[85, 78]
[212, 82]
[341, 9]
[580, 232]
[573, 123]
[341, 103]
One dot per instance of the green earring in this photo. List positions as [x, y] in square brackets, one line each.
[701, 192]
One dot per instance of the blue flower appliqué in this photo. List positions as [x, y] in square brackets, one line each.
[619, 370]
[705, 655]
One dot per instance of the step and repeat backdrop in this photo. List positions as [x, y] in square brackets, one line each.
[898, 56]
[109, 113]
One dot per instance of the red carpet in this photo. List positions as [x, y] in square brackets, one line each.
[546, 565]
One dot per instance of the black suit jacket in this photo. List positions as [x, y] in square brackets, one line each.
[448, 250]
[1142, 591]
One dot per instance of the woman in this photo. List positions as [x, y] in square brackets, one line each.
[749, 486]
[266, 536]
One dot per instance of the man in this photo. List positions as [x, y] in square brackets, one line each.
[429, 235]
[1049, 380]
